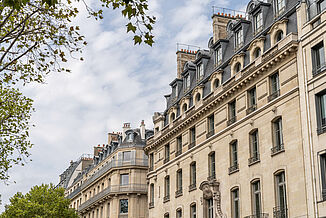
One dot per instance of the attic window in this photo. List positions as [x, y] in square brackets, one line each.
[172, 117]
[200, 71]
[257, 52]
[279, 36]
[216, 83]
[218, 56]
[279, 7]
[198, 97]
[237, 67]
[258, 22]
[238, 38]
[184, 107]
[186, 82]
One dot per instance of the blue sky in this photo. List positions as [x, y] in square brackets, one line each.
[118, 82]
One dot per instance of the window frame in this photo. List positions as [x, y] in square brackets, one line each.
[211, 165]
[238, 36]
[120, 208]
[278, 200]
[200, 71]
[318, 58]
[235, 202]
[321, 111]
[256, 193]
[258, 19]
[218, 56]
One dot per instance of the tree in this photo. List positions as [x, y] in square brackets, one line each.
[41, 201]
[36, 38]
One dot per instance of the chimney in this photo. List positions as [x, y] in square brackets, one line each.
[126, 126]
[112, 137]
[183, 56]
[97, 150]
[219, 26]
[142, 130]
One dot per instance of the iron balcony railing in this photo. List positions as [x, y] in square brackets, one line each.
[278, 148]
[280, 212]
[253, 159]
[151, 205]
[166, 198]
[113, 190]
[178, 192]
[192, 187]
[210, 133]
[74, 193]
[251, 109]
[178, 152]
[233, 168]
[114, 164]
[274, 95]
[259, 215]
[191, 145]
[318, 69]
[231, 120]
[321, 129]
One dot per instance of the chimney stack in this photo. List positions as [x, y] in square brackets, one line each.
[183, 56]
[142, 130]
[125, 128]
[219, 26]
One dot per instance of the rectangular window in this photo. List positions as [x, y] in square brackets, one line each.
[186, 82]
[238, 38]
[200, 71]
[252, 100]
[124, 179]
[218, 56]
[321, 112]
[192, 176]
[318, 58]
[323, 175]
[126, 155]
[211, 166]
[274, 86]
[193, 211]
[321, 6]
[167, 188]
[210, 126]
[179, 213]
[233, 157]
[256, 198]
[232, 112]
[179, 180]
[192, 137]
[166, 153]
[279, 7]
[210, 208]
[123, 206]
[235, 203]
[152, 193]
[258, 22]
[254, 147]
[179, 146]
[278, 136]
[281, 206]
[151, 161]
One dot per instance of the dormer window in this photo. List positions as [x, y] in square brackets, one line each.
[198, 97]
[175, 90]
[257, 52]
[279, 36]
[237, 67]
[216, 83]
[279, 7]
[238, 38]
[172, 117]
[186, 82]
[258, 22]
[321, 6]
[218, 56]
[200, 71]
[184, 108]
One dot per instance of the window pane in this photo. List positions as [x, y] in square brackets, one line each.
[124, 206]
[127, 155]
[124, 179]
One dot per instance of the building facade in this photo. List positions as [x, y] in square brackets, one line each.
[114, 185]
[243, 133]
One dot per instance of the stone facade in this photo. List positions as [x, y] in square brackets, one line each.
[245, 137]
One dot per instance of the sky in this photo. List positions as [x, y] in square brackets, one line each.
[117, 83]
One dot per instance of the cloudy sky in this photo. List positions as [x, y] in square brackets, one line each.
[118, 82]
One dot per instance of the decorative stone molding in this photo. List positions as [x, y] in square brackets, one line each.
[184, 101]
[216, 76]
[236, 59]
[278, 26]
[198, 90]
[254, 45]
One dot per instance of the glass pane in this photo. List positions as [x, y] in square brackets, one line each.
[126, 155]
[124, 179]
[124, 206]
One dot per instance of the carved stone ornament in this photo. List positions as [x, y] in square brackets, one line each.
[211, 189]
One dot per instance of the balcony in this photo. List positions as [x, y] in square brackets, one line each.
[167, 159]
[231, 120]
[274, 95]
[191, 145]
[114, 164]
[321, 129]
[151, 205]
[277, 149]
[178, 193]
[166, 198]
[178, 152]
[192, 187]
[234, 168]
[74, 193]
[318, 69]
[114, 190]
[259, 215]
[280, 212]
[210, 133]
[253, 160]
[251, 109]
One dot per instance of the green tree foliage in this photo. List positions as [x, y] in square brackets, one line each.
[15, 112]
[43, 201]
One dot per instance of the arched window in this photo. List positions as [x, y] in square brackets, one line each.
[216, 83]
[198, 97]
[257, 52]
[237, 67]
[279, 36]
[184, 107]
[172, 117]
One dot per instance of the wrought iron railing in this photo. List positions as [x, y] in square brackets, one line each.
[166, 198]
[274, 95]
[114, 164]
[253, 159]
[318, 69]
[259, 215]
[277, 148]
[210, 133]
[233, 168]
[251, 109]
[178, 192]
[191, 145]
[321, 129]
[113, 190]
[280, 212]
[231, 120]
[151, 205]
